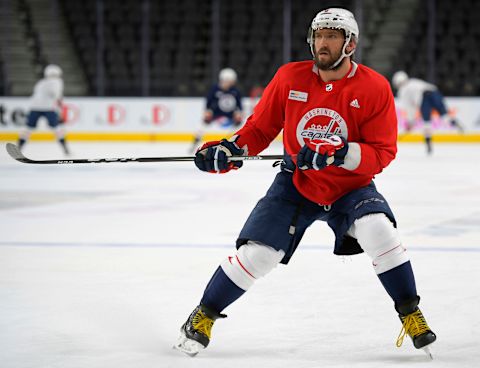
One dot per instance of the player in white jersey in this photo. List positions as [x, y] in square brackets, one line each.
[46, 101]
[414, 94]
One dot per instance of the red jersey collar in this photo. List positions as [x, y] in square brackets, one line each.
[350, 74]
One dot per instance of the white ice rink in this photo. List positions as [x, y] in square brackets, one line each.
[100, 264]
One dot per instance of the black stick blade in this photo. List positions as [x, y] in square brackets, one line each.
[15, 153]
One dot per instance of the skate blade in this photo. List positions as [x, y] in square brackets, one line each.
[187, 346]
[427, 351]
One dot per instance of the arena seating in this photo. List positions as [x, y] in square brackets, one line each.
[179, 43]
[457, 71]
[180, 61]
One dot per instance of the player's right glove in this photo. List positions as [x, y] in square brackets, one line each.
[322, 153]
[213, 157]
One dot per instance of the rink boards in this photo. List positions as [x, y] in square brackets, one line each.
[178, 120]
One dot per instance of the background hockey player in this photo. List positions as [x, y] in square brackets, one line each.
[46, 102]
[339, 131]
[414, 94]
[224, 105]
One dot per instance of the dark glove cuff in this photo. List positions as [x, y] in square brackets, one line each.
[341, 153]
[232, 147]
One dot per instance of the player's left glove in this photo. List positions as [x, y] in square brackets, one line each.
[322, 153]
[214, 156]
[207, 116]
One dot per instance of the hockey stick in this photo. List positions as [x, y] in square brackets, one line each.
[16, 154]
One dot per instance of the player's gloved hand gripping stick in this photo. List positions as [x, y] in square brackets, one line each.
[216, 156]
[322, 153]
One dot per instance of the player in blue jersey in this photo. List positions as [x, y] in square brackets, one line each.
[224, 105]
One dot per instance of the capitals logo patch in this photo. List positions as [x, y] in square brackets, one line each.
[320, 123]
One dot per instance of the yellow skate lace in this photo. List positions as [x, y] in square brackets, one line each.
[413, 324]
[203, 324]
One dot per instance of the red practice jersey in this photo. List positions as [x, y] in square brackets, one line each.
[359, 107]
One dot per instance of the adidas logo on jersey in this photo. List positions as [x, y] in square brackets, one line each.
[355, 103]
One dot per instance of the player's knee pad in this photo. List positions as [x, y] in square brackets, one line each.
[251, 261]
[379, 239]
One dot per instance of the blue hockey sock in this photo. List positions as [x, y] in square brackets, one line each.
[399, 282]
[220, 292]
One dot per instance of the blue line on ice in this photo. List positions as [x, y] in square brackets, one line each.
[207, 246]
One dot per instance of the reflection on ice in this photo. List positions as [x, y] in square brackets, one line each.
[101, 264]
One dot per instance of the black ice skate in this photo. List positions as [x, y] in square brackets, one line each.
[196, 142]
[66, 151]
[415, 326]
[428, 141]
[457, 125]
[196, 332]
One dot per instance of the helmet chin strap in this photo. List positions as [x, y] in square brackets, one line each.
[344, 55]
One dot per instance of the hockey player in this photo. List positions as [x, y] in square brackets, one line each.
[339, 131]
[224, 104]
[415, 94]
[46, 102]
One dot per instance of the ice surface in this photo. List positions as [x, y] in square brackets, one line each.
[100, 264]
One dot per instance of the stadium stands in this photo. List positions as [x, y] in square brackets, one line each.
[457, 27]
[173, 49]
[180, 42]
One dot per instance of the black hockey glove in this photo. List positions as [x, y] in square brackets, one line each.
[322, 153]
[213, 157]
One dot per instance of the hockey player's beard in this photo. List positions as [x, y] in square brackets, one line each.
[327, 64]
